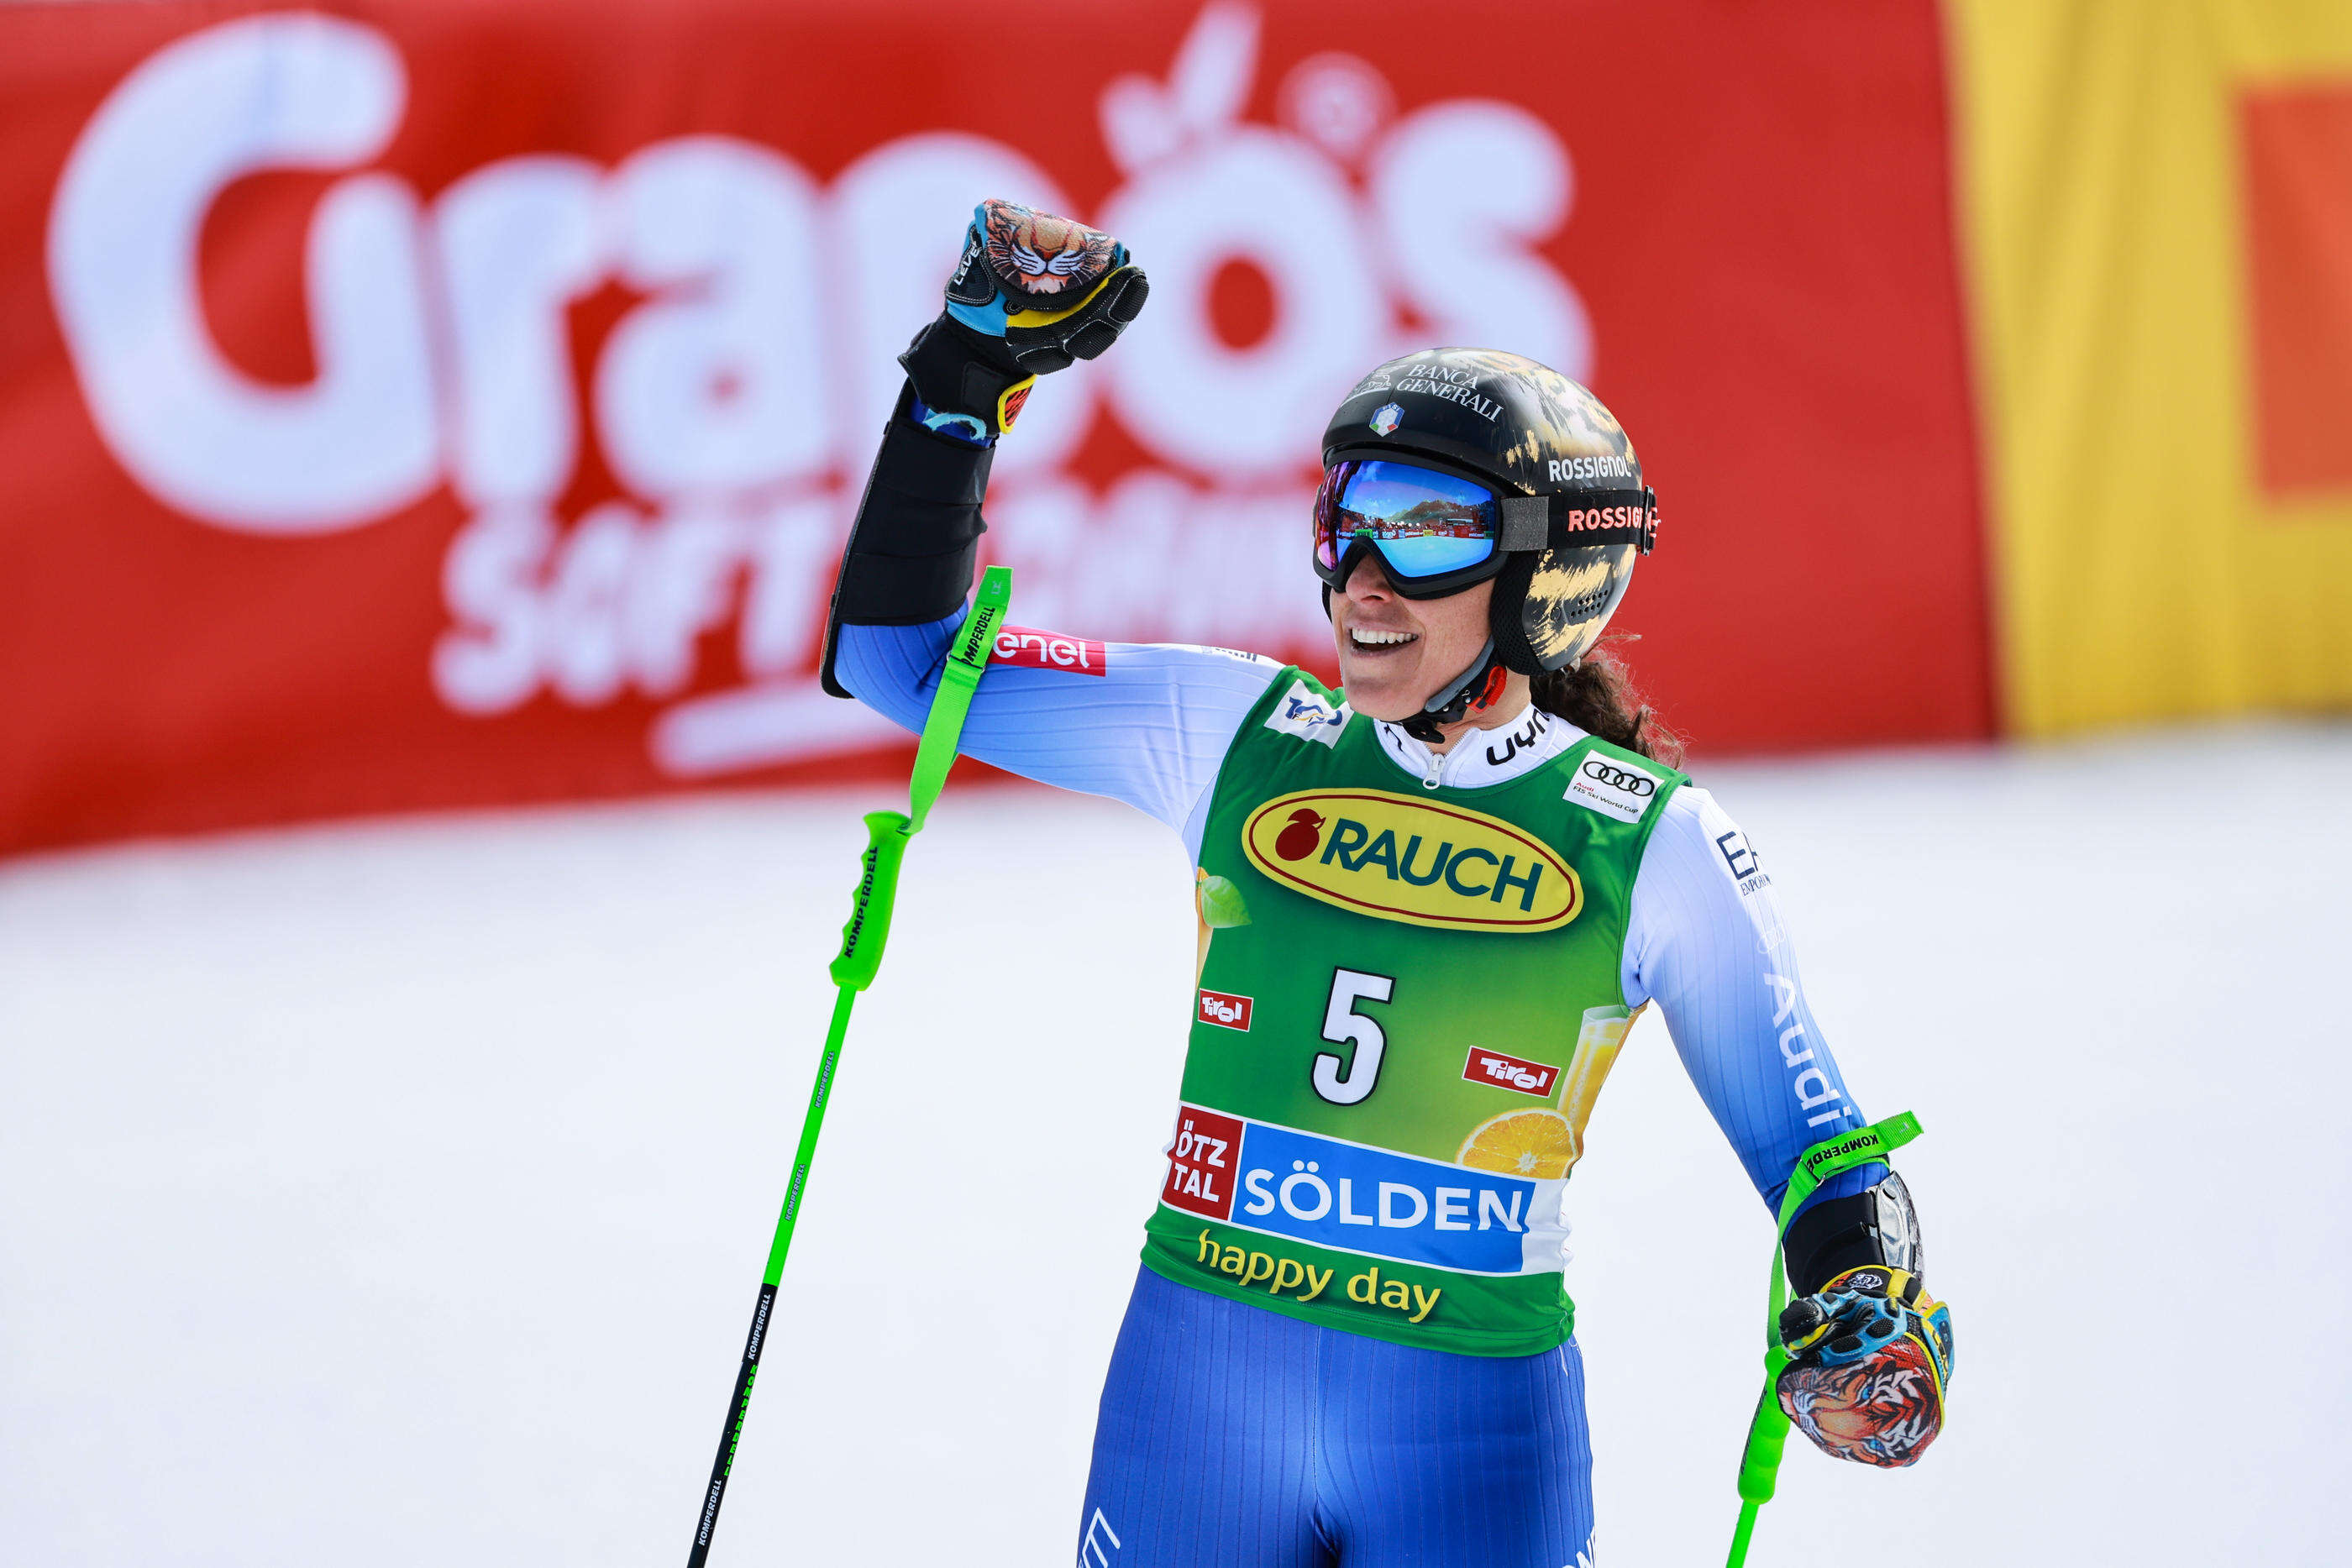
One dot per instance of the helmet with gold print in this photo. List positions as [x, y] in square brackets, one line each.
[1454, 466]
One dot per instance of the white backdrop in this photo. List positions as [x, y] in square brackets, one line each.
[396, 1194]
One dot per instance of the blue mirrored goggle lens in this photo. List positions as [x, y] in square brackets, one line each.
[1422, 522]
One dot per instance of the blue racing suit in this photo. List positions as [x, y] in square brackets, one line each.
[1231, 1434]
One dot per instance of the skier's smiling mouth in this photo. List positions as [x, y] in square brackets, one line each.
[1375, 642]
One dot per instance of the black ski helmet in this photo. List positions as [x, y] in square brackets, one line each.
[1575, 512]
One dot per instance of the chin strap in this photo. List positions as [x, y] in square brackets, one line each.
[1475, 687]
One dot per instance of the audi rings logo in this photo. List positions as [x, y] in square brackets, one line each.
[1639, 784]
[1612, 787]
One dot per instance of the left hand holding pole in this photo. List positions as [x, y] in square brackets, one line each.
[1870, 1355]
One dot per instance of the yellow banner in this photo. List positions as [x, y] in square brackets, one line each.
[2156, 203]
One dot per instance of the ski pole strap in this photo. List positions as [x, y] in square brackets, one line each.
[1767, 1429]
[1830, 1158]
[967, 656]
[1834, 1156]
[867, 930]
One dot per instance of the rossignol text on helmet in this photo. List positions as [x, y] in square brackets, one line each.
[1457, 465]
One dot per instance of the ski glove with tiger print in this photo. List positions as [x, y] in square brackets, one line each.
[1870, 1355]
[1031, 294]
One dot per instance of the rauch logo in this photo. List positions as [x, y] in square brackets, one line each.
[1396, 858]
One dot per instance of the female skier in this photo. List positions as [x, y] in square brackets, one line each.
[1429, 903]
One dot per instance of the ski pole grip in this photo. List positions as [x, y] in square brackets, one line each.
[1760, 1461]
[867, 930]
[889, 832]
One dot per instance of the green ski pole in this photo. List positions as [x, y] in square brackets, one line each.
[1768, 1430]
[853, 969]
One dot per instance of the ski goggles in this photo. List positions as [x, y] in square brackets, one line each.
[1437, 532]
[1434, 531]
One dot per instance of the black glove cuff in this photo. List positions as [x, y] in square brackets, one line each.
[1875, 1226]
[955, 369]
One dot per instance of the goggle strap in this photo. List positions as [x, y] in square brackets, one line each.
[1540, 522]
[1527, 523]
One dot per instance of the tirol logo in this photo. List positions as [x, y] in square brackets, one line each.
[1510, 1073]
[1225, 1011]
[1025, 648]
[1387, 417]
[1396, 858]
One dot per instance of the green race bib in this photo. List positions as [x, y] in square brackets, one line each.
[1408, 1003]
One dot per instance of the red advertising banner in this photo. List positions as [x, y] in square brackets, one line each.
[423, 404]
[2298, 143]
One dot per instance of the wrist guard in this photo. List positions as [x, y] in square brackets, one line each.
[915, 542]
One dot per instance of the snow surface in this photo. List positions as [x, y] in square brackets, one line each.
[396, 1194]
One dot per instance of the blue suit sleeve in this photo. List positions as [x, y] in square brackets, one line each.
[1707, 943]
[1151, 727]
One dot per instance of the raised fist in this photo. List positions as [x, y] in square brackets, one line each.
[1031, 294]
[1869, 1357]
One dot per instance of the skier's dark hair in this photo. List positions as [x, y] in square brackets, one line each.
[1596, 695]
